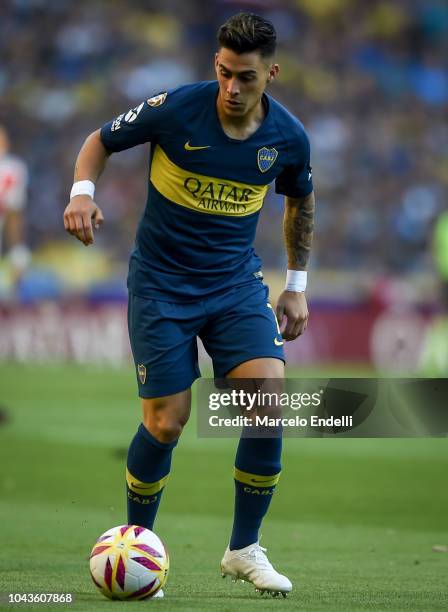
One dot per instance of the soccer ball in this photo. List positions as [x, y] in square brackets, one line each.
[129, 562]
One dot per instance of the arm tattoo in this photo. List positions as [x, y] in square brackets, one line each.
[298, 226]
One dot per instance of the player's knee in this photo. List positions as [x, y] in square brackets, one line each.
[163, 425]
[165, 417]
[166, 429]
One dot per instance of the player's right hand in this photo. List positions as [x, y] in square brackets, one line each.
[81, 216]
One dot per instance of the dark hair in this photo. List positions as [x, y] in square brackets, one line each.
[246, 32]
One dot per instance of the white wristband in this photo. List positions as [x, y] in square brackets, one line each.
[83, 188]
[295, 280]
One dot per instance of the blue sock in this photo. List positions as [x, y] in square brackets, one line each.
[148, 467]
[257, 470]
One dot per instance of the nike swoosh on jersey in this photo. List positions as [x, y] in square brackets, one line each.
[278, 342]
[189, 147]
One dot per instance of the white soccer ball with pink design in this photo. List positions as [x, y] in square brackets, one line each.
[129, 562]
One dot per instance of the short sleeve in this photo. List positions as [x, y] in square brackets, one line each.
[296, 179]
[138, 125]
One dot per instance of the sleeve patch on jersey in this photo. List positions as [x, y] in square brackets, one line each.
[116, 123]
[132, 114]
[157, 100]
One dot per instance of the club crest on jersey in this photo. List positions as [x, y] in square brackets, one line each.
[157, 100]
[141, 373]
[266, 158]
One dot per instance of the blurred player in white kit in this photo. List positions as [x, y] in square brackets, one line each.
[13, 191]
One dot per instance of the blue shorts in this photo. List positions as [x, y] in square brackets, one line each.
[234, 326]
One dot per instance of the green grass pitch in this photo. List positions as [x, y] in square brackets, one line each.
[352, 524]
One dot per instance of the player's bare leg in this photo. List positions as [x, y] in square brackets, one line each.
[257, 461]
[165, 417]
[265, 367]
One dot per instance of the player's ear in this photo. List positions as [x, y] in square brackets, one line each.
[273, 72]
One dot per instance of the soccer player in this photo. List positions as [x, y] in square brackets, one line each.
[13, 186]
[215, 147]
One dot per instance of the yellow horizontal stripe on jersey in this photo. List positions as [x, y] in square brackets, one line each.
[202, 193]
[255, 480]
[144, 488]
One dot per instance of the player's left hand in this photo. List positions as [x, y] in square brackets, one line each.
[292, 306]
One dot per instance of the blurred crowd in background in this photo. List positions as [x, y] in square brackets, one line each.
[369, 80]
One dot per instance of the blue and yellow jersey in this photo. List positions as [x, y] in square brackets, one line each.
[206, 190]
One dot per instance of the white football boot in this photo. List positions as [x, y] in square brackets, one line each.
[158, 595]
[252, 565]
